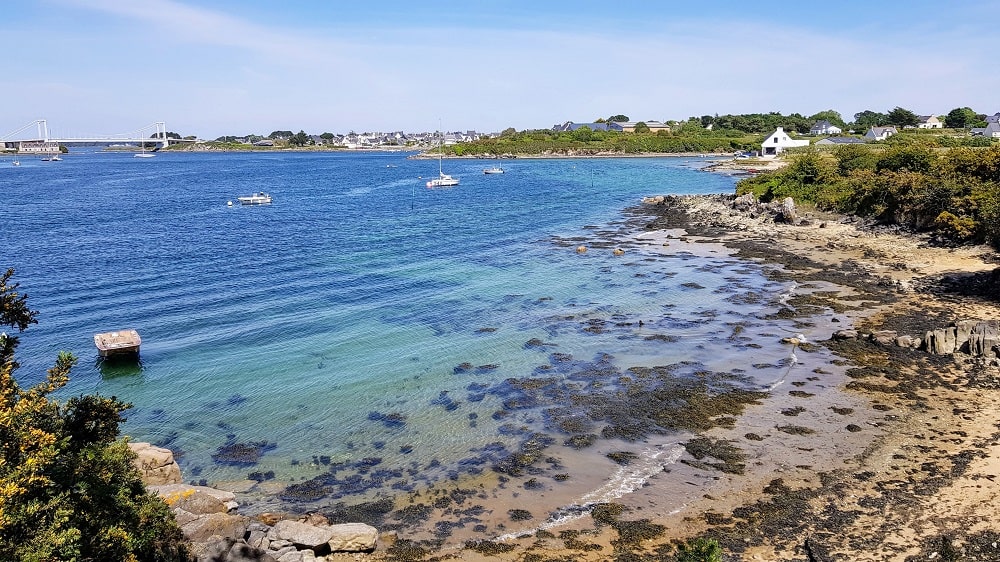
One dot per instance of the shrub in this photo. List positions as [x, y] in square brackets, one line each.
[699, 550]
[956, 228]
[68, 488]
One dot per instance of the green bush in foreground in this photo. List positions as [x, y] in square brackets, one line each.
[68, 488]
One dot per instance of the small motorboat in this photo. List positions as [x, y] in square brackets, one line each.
[259, 198]
[493, 170]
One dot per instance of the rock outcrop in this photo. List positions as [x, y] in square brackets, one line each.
[156, 464]
[979, 338]
[209, 520]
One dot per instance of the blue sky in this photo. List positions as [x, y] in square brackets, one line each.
[210, 68]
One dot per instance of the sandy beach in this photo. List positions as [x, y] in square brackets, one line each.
[865, 451]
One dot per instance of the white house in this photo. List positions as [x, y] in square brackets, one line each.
[824, 127]
[928, 122]
[778, 141]
[880, 133]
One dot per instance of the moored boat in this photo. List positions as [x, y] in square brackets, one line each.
[493, 170]
[443, 179]
[259, 198]
[120, 343]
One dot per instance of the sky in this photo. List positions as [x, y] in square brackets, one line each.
[234, 67]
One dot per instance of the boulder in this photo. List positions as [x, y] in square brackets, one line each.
[983, 337]
[884, 337]
[298, 556]
[221, 524]
[941, 341]
[353, 537]
[196, 499]
[745, 202]
[845, 335]
[155, 464]
[962, 330]
[787, 212]
[302, 535]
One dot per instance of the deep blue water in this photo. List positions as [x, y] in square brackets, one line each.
[358, 294]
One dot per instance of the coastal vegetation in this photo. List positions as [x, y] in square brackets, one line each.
[954, 193]
[68, 488]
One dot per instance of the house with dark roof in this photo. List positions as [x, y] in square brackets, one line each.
[571, 126]
[824, 127]
[880, 133]
[992, 130]
[839, 141]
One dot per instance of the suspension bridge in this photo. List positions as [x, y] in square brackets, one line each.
[36, 137]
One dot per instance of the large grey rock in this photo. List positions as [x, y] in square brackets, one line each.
[962, 330]
[302, 535]
[884, 337]
[983, 337]
[222, 524]
[787, 212]
[213, 549]
[353, 537]
[845, 335]
[941, 341]
[196, 499]
[156, 464]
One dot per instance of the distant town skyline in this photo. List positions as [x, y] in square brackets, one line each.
[230, 67]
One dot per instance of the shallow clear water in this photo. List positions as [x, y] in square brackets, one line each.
[361, 315]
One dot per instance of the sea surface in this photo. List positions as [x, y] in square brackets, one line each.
[366, 323]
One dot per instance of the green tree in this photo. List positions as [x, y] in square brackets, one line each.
[869, 118]
[641, 127]
[68, 488]
[300, 139]
[829, 115]
[619, 118]
[961, 118]
[275, 135]
[902, 117]
[326, 136]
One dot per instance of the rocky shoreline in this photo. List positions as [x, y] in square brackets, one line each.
[924, 486]
[898, 462]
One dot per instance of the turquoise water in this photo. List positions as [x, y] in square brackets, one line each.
[360, 316]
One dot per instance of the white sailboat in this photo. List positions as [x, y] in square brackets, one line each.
[142, 151]
[443, 179]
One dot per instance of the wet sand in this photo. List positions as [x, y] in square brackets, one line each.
[860, 452]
